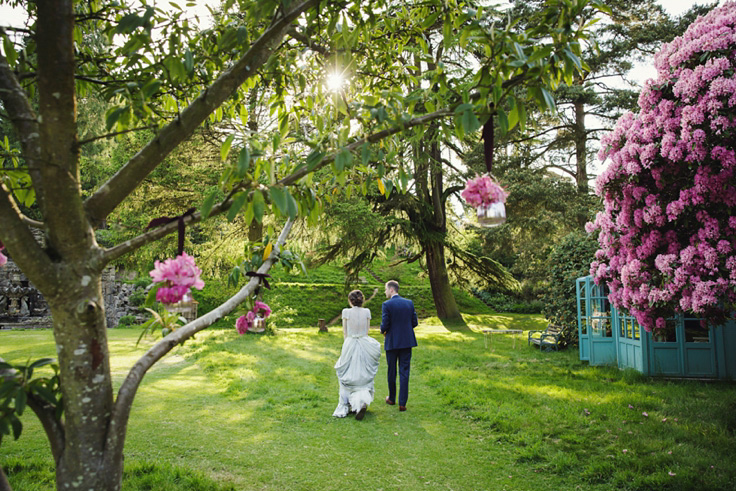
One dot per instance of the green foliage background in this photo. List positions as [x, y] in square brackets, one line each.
[569, 260]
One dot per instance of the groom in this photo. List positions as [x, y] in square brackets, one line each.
[398, 319]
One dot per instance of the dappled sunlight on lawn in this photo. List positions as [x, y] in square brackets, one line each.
[505, 321]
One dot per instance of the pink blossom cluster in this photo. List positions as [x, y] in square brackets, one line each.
[668, 230]
[483, 190]
[3, 258]
[245, 322]
[178, 276]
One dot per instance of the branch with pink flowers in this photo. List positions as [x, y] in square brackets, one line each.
[126, 394]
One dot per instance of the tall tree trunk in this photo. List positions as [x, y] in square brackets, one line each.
[581, 154]
[81, 340]
[444, 301]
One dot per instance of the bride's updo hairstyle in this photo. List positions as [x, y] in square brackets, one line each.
[356, 298]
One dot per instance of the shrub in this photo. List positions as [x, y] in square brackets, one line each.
[569, 260]
[138, 297]
[667, 230]
[126, 321]
[502, 302]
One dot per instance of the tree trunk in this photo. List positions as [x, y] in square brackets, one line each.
[444, 301]
[581, 154]
[4, 484]
[81, 340]
[581, 151]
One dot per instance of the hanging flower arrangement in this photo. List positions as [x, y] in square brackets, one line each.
[177, 276]
[3, 258]
[254, 319]
[488, 198]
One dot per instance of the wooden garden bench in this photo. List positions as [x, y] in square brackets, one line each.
[547, 338]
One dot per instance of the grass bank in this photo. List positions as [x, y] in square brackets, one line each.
[229, 412]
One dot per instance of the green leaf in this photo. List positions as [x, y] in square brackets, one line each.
[249, 214]
[20, 402]
[151, 297]
[284, 126]
[259, 205]
[365, 153]
[113, 115]
[206, 207]
[293, 206]
[225, 148]
[314, 159]
[513, 114]
[17, 427]
[463, 108]
[470, 121]
[41, 362]
[538, 54]
[278, 196]
[189, 62]
[150, 88]
[236, 206]
[243, 161]
[343, 159]
[549, 99]
[503, 121]
[9, 49]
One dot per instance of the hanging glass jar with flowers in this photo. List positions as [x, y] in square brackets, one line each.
[488, 198]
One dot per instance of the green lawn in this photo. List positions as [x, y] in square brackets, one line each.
[226, 412]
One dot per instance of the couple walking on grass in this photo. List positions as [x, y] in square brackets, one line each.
[358, 363]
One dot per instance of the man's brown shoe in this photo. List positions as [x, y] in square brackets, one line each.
[389, 401]
[361, 413]
[402, 408]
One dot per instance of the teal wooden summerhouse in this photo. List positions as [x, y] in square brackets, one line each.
[612, 337]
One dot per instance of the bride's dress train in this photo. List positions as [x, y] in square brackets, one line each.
[358, 363]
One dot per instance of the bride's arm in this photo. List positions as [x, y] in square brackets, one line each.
[344, 328]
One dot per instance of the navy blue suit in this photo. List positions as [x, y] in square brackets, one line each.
[398, 320]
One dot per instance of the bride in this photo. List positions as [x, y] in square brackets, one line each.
[358, 363]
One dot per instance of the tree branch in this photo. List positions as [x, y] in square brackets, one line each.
[120, 185]
[426, 118]
[110, 135]
[23, 119]
[54, 428]
[164, 230]
[46, 414]
[121, 411]
[21, 244]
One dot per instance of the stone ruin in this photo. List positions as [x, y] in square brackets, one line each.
[22, 305]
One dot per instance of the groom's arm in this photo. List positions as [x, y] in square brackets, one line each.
[414, 320]
[385, 319]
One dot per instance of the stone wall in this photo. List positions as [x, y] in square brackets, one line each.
[23, 306]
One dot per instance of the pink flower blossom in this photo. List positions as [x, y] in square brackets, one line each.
[3, 258]
[483, 190]
[666, 233]
[245, 322]
[259, 307]
[178, 276]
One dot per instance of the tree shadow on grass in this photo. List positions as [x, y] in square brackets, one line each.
[455, 325]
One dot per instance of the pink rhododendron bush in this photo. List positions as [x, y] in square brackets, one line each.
[668, 230]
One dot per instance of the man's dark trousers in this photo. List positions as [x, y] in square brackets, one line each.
[403, 356]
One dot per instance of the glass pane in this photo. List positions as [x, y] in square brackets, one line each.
[695, 332]
[668, 334]
[582, 304]
[622, 326]
[635, 328]
[584, 326]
